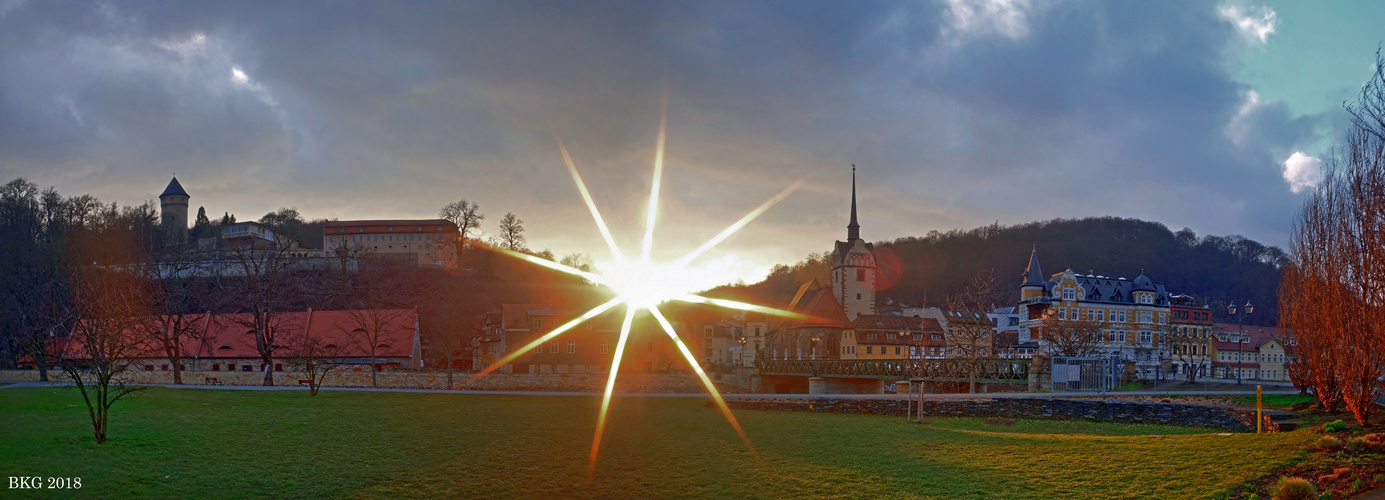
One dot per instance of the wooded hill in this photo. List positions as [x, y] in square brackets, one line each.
[929, 270]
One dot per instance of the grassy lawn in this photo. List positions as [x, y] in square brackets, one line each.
[221, 443]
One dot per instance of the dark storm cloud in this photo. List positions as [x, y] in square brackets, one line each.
[1055, 109]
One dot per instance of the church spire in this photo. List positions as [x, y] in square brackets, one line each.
[853, 230]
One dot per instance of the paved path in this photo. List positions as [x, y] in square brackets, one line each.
[684, 395]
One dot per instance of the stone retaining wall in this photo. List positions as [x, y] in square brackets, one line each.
[564, 382]
[1235, 419]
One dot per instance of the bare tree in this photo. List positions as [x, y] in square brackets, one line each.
[577, 260]
[512, 232]
[265, 289]
[369, 329]
[313, 356]
[970, 334]
[104, 340]
[1189, 347]
[466, 215]
[173, 273]
[448, 335]
[1073, 337]
[1333, 292]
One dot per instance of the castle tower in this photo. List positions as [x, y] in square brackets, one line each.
[853, 267]
[1033, 284]
[173, 205]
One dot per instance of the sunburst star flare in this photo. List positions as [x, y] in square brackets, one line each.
[643, 284]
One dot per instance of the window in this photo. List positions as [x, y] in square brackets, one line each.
[553, 347]
[707, 331]
[896, 350]
[1068, 294]
[535, 323]
[165, 367]
[1122, 316]
[1122, 336]
[869, 349]
[572, 346]
[278, 367]
[1101, 315]
[538, 349]
[216, 367]
[1062, 313]
[149, 368]
[860, 275]
[246, 368]
[605, 347]
[1145, 338]
[858, 296]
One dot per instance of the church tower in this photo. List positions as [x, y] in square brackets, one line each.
[173, 205]
[853, 267]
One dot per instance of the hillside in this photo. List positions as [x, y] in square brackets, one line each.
[933, 268]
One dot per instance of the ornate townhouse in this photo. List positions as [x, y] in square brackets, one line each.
[1137, 312]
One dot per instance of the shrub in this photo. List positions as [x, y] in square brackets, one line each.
[1335, 426]
[1357, 444]
[1329, 443]
[1293, 488]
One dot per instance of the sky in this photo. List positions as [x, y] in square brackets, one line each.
[1214, 116]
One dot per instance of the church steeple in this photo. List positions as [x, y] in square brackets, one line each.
[853, 230]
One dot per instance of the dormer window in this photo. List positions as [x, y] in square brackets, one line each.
[1068, 294]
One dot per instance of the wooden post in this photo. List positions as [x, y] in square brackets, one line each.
[1259, 406]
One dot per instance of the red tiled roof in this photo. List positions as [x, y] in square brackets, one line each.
[228, 337]
[390, 222]
[882, 322]
[1259, 335]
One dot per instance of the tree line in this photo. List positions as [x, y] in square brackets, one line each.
[929, 270]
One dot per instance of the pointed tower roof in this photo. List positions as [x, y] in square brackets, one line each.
[174, 188]
[1033, 276]
[853, 230]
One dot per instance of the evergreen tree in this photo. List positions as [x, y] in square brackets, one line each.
[200, 227]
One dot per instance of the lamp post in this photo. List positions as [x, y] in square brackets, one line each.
[741, 340]
[1245, 310]
[815, 340]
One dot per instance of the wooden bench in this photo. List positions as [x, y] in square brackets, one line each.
[303, 381]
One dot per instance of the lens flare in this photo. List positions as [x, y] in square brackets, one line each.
[642, 284]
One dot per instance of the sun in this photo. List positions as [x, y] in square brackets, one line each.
[641, 284]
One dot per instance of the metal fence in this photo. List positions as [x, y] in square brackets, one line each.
[1089, 374]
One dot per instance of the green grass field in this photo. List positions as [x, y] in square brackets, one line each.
[222, 443]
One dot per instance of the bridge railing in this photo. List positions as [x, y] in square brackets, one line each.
[900, 369]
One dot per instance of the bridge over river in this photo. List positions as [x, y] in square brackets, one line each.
[869, 376]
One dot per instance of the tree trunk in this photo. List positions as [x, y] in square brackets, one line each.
[268, 370]
[449, 376]
[177, 371]
[372, 372]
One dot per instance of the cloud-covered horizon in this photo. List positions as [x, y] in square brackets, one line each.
[958, 113]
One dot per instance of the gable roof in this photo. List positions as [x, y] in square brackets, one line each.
[820, 307]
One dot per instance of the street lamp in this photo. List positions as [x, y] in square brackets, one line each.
[741, 340]
[1240, 326]
[815, 346]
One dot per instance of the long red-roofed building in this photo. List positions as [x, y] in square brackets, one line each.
[224, 342]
